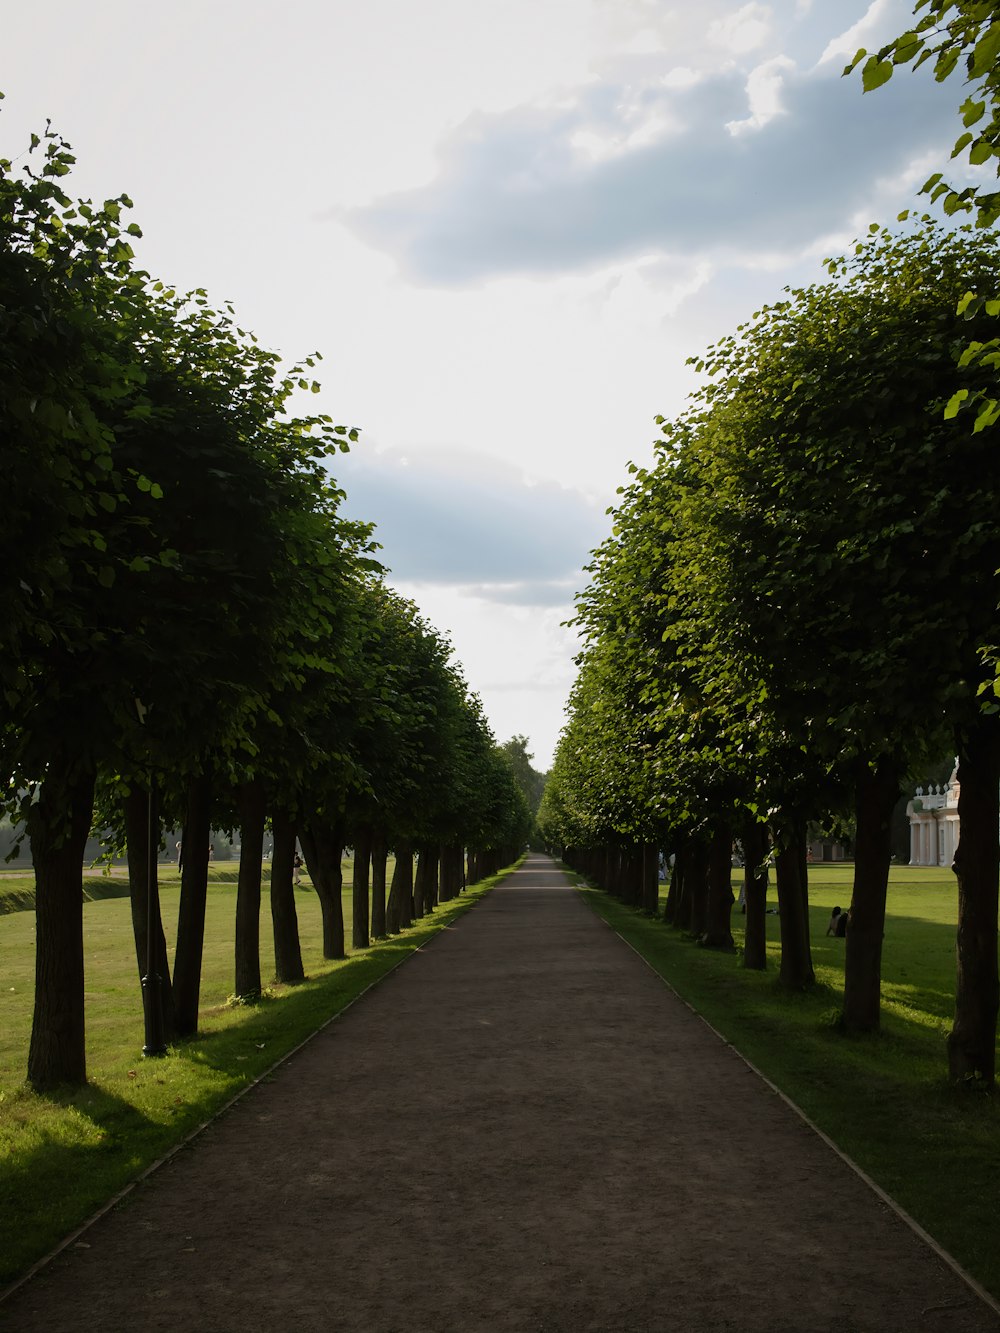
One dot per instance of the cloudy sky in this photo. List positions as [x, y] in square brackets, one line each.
[505, 224]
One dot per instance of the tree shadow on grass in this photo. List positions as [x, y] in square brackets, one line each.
[71, 1169]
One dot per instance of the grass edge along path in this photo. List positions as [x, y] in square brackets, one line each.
[33, 1231]
[929, 1148]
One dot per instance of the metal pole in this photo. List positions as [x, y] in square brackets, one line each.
[152, 1004]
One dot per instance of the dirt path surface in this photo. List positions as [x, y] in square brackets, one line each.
[521, 1129]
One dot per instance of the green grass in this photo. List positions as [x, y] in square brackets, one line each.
[884, 1099]
[67, 1153]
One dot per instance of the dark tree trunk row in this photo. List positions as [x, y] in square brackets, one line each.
[190, 946]
[284, 917]
[718, 933]
[379, 855]
[141, 859]
[876, 793]
[58, 826]
[252, 811]
[796, 970]
[755, 850]
[425, 884]
[399, 910]
[323, 847]
[972, 1040]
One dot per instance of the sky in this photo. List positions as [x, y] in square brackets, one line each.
[505, 225]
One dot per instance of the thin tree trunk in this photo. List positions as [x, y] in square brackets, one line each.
[288, 967]
[972, 1040]
[452, 861]
[379, 856]
[796, 969]
[755, 848]
[678, 909]
[193, 902]
[252, 812]
[136, 808]
[359, 894]
[398, 912]
[650, 898]
[58, 825]
[323, 850]
[718, 932]
[630, 875]
[876, 794]
[425, 884]
[697, 876]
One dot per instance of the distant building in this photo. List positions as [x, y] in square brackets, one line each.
[934, 825]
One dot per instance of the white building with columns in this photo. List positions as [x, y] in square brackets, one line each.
[934, 826]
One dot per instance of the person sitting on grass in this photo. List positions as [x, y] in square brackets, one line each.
[838, 923]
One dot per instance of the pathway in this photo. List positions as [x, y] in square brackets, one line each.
[521, 1129]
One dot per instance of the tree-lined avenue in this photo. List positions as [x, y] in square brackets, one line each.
[476, 1145]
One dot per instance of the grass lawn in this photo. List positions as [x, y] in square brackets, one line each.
[65, 1154]
[884, 1099]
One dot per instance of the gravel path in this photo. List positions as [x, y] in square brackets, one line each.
[521, 1129]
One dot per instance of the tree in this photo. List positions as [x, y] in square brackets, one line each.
[863, 539]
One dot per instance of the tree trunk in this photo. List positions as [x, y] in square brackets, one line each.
[696, 874]
[678, 909]
[58, 825]
[323, 848]
[451, 870]
[288, 967]
[252, 812]
[796, 969]
[875, 796]
[609, 875]
[359, 893]
[379, 856]
[398, 912]
[650, 898]
[136, 807]
[194, 900]
[972, 1040]
[630, 874]
[755, 849]
[718, 932]
[425, 883]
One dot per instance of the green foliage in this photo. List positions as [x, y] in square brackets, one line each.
[955, 35]
[807, 578]
[179, 591]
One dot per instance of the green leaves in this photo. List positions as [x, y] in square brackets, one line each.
[875, 73]
[984, 54]
[778, 595]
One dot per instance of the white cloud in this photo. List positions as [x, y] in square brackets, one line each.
[745, 30]
[764, 87]
[516, 197]
[526, 541]
[846, 43]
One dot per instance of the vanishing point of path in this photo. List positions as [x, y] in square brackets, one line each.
[520, 1129]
